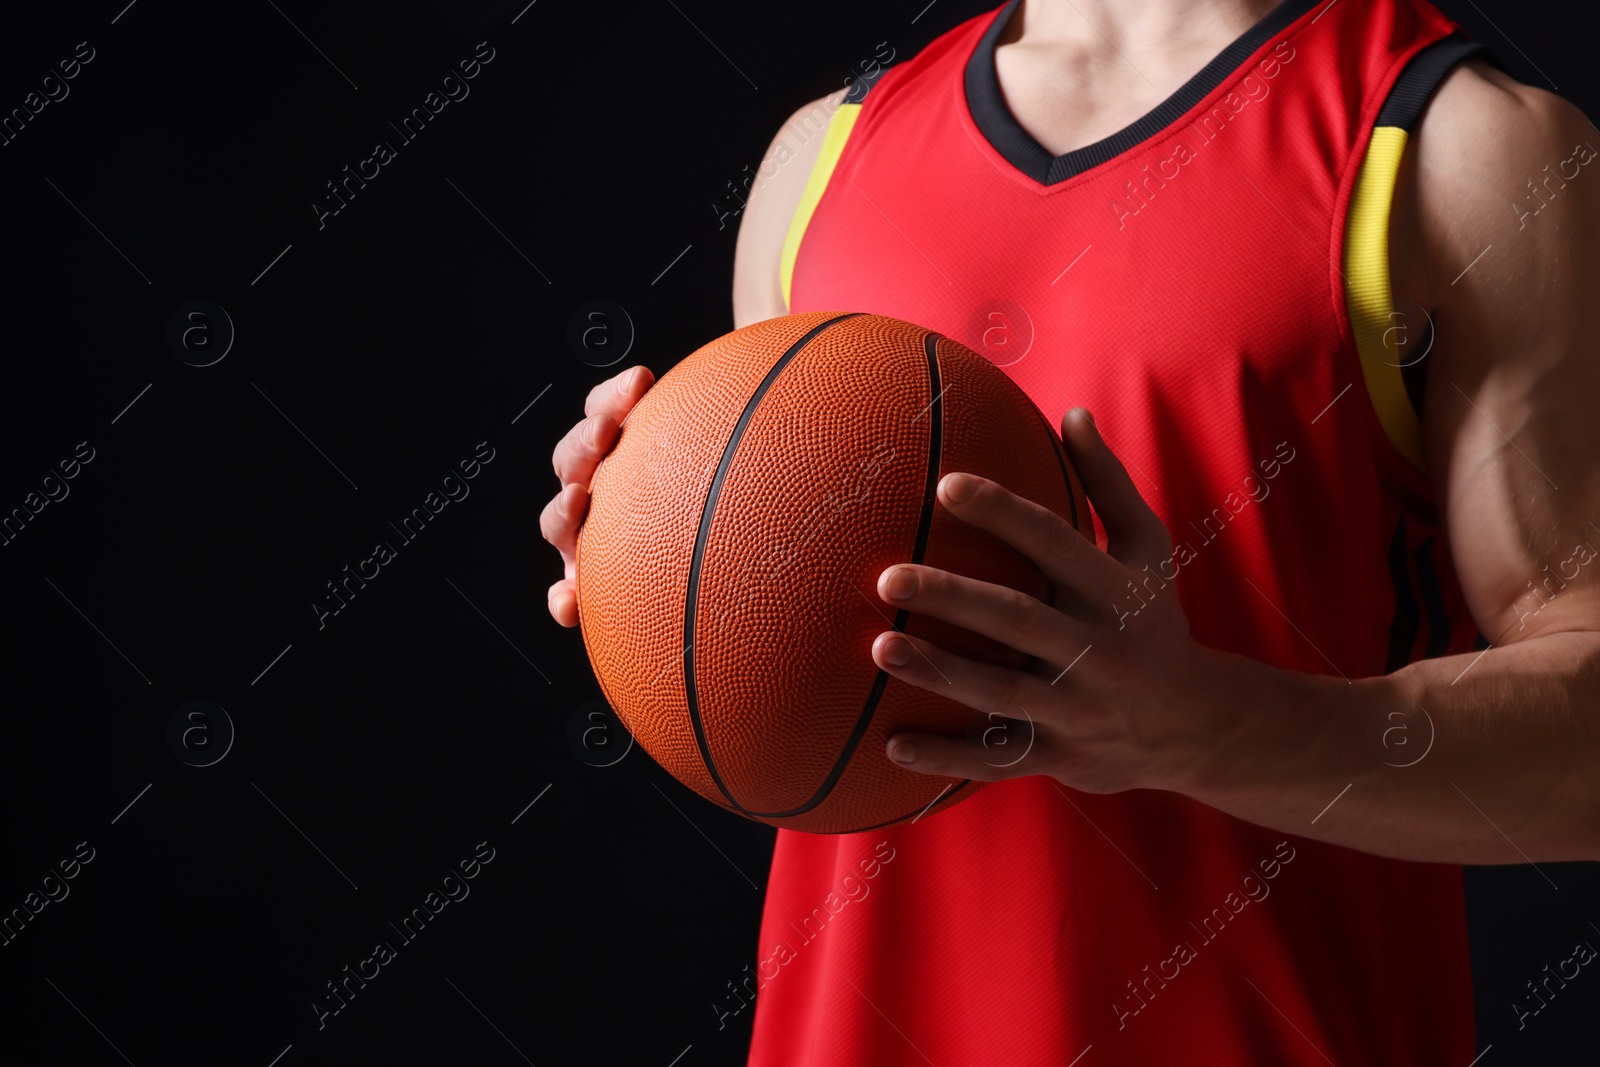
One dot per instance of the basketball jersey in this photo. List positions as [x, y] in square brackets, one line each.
[1212, 283]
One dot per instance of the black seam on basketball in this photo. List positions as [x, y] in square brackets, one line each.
[918, 550]
[707, 511]
[913, 815]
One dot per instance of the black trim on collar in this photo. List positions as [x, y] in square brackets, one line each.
[1000, 127]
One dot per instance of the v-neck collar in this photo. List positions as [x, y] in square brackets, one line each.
[995, 121]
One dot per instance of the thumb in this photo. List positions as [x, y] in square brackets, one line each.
[1133, 529]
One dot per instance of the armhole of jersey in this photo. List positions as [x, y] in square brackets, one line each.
[1366, 248]
[840, 123]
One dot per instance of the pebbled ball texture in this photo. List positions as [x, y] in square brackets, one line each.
[727, 569]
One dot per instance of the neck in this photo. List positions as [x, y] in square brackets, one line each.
[1075, 71]
[1151, 25]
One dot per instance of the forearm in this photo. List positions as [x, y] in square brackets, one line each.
[1459, 759]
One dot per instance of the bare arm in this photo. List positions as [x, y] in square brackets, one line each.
[757, 294]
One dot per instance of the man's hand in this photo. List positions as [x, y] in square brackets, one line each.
[1115, 700]
[576, 456]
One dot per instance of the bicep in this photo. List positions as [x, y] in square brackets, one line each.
[1510, 431]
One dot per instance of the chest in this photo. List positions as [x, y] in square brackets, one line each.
[1159, 271]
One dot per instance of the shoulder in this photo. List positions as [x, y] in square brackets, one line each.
[773, 197]
[1477, 99]
[1500, 207]
[778, 189]
[1493, 159]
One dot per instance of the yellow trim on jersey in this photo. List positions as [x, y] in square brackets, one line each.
[838, 131]
[1367, 294]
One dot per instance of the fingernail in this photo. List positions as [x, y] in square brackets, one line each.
[902, 752]
[902, 584]
[591, 429]
[897, 652]
[628, 381]
[959, 488]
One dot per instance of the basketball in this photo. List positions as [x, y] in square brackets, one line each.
[727, 569]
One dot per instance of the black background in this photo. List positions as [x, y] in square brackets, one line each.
[376, 353]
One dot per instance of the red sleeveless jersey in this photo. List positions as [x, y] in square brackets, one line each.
[1211, 282]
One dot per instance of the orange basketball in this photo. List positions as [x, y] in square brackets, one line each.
[727, 569]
